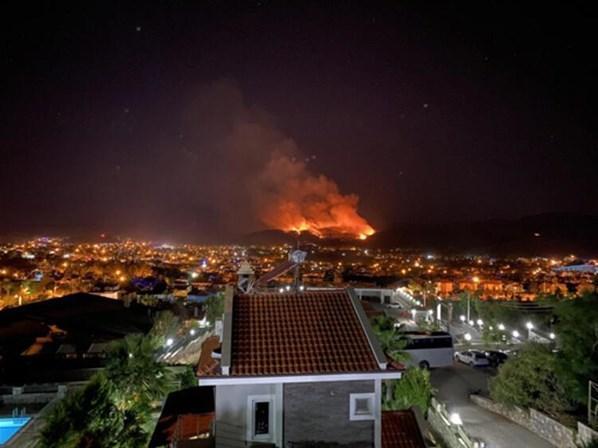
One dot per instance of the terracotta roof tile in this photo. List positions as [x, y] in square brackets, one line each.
[400, 430]
[315, 332]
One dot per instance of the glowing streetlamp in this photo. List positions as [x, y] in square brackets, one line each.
[480, 322]
[471, 323]
[169, 342]
[413, 313]
[462, 318]
[467, 337]
[501, 327]
[515, 334]
[530, 327]
[552, 336]
[455, 419]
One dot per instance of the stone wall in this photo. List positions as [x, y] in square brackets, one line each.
[549, 429]
[319, 412]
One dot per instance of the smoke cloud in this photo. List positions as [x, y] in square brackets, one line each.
[258, 176]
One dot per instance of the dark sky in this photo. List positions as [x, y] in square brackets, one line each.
[115, 118]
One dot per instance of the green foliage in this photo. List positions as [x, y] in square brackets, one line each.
[215, 308]
[577, 337]
[166, 324]
[113, 410]
[135, 374]
[89, 418]
[391, 340]
[413, 389]
[529, 381]
[591, 444]
[186, 378]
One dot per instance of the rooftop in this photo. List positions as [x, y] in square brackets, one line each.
[400, 430]
[313, 332]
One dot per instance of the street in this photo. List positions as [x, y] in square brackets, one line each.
[455, 384]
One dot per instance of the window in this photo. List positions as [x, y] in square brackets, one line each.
[260, 418]
[362, 407]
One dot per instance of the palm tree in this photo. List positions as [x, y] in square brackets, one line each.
[135, 374]
[391, 339]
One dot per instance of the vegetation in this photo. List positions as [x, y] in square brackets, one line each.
[529, 380]
[214, 308]
[113, 410]
[577, 330]
[166, 325]
[412, 390]
[391, 340]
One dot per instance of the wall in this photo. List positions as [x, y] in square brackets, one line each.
[231, 412]
[549, 429]
[319, 412]
[585, 434]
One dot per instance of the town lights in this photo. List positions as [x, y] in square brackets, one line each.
[467, 337]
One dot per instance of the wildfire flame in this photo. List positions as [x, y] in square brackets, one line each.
[300, 201]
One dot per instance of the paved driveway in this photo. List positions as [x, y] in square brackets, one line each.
[454, 385]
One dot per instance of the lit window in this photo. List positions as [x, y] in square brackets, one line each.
[362, 407]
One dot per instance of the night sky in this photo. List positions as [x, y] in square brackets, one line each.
[124, 118]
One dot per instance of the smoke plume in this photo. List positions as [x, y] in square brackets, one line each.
[261, 176]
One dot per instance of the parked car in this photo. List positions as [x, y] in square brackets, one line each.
[496, 358]
[473, 358]
[395, 306]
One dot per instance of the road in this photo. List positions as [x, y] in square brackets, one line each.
[455, 384]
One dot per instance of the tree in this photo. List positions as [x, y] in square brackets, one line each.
[214, 308]
[529, 381]
[390, 338]
[166, 324]
[89, 418]
[577, 339]
[413, 389]
[134, 373]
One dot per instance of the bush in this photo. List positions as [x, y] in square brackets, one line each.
[529, 381]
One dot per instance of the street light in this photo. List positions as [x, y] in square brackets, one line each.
[169, 342]
[480, 322]
[467, 337]
[530, 327]
[192, 332]
[462, 318]
[413, 313]
[455, 419]
[471, 322]
[552, 336]
[515, 334]
[501, 327]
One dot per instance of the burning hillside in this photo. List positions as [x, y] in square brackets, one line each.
[299, 201]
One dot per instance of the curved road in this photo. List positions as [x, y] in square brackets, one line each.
[454, 385]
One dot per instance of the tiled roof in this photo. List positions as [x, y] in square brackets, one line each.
[314, 332]
[400, 430]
